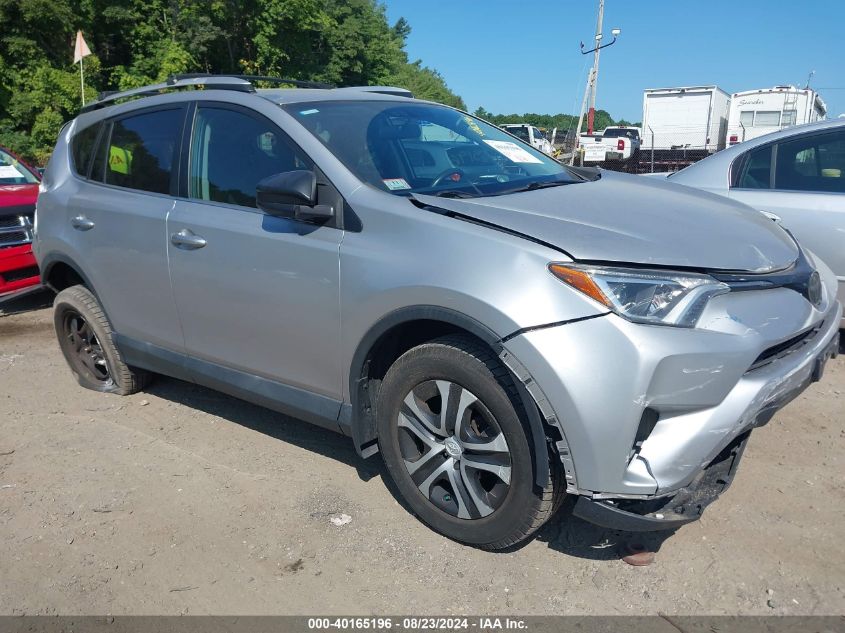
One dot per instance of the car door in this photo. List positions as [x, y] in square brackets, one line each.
[257, 294]
[117, 222]
[800, 182]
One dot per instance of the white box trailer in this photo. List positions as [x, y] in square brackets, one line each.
[757, 112]
[690, 120]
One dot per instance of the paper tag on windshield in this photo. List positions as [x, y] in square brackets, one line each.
[513, 152]
[395, 184]
[10, 171]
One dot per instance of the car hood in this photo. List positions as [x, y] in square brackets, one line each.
[630, 219]
[17, 199]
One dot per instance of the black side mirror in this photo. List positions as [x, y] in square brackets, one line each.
[293, 195]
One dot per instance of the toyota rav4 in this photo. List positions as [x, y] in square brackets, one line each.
[502, 329]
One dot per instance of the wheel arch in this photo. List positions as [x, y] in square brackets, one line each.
[59, 272]
[402, 330]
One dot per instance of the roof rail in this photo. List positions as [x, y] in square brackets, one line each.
[385, 90]
[240, 83]
[299, 83]
[218, 82]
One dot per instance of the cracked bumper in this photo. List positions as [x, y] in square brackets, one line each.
[703, 387]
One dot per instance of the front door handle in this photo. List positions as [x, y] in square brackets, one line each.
[81, 223]
[772, 216]
[188, 240]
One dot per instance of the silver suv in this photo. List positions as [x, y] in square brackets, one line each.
[504, 330]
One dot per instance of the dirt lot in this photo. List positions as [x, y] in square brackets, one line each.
[182, 500]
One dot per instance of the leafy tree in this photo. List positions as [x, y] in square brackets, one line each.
[137, 42]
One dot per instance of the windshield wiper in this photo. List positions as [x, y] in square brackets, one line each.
[538, 184]
[453, 193]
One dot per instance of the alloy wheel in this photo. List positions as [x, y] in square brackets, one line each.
[86, 352]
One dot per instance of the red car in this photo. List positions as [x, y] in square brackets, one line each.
[18, 191]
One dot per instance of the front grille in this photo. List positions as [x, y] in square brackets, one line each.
[15, 230]
[785, 348]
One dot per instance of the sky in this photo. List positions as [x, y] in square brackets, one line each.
[517, 57]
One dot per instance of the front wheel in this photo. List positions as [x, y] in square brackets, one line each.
[454, 440]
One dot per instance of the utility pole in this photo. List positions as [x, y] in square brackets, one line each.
[590, 91]
[595, 75]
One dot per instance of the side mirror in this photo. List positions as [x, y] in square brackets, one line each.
[293, 195]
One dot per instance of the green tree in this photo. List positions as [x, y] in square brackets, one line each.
[138, 42]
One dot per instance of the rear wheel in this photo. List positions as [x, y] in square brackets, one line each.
[455, 443]
[85, 338]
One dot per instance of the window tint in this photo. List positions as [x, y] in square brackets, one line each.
[82, 148]
[231, 152]
[98, 169]
[746, 118]
[142, 150]
[756, 173]
[815, 163]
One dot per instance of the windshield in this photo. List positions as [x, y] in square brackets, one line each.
[12, 172]
[412, 147]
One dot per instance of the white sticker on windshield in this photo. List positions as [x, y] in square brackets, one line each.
[513, 152]
[307, 112]
[395, 184]
[10, 171]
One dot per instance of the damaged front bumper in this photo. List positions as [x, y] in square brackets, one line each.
[672, 511]
[655, 419]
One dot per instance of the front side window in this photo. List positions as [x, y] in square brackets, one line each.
[13, 172]
[756, 173]
[815, 163]
[142, 150]
[231, 152]
[406, 148]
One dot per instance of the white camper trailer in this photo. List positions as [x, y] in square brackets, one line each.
[757, 112]
[689, 121]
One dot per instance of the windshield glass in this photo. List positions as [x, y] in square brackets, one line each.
[426, 148]
[12, 172]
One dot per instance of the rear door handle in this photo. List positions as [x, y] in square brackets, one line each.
[187, 240]
[81, 223]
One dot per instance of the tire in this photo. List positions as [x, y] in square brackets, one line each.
[85, 338]
[471, 476]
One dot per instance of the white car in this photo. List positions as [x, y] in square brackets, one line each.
[795, 176]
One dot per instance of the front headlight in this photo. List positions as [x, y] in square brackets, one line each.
[646, 296]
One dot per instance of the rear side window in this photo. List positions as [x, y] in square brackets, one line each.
[82, 149]
[815, 163]
[142, 150]
[757, 170]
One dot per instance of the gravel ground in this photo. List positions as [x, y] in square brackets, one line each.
[181, 500]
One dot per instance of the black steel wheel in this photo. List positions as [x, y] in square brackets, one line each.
[85, 338]
[84, 351]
